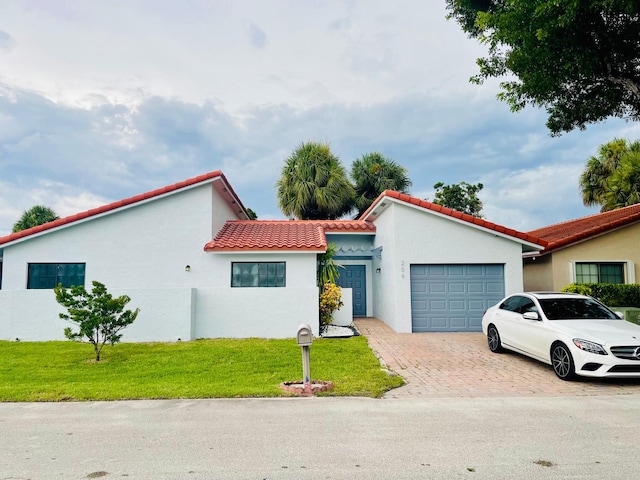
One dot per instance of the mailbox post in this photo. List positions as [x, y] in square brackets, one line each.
[304, 338]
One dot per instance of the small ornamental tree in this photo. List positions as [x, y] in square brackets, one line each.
[99, 315]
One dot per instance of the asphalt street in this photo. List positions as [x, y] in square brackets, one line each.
[323, 438]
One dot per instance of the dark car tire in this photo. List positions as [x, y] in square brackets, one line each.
[493, 339]
[562, 362]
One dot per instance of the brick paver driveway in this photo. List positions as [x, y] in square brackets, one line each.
[461, 365]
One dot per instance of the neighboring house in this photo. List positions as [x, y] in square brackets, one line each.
[197, 267]
[600, 248]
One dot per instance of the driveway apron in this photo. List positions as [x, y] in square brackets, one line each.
[461, 365]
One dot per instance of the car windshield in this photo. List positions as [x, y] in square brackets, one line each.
[575, 308]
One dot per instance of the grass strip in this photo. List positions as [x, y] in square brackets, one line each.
[211, 368]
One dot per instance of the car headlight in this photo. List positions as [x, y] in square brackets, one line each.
[590, 347]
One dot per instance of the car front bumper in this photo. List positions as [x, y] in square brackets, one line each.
[605, 366]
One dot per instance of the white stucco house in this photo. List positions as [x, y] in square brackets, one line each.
[195, 264]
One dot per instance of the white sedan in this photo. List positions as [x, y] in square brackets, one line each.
[575, 334]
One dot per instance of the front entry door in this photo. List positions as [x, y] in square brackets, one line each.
[354, 277]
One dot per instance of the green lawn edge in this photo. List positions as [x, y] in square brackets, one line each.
[209, 368]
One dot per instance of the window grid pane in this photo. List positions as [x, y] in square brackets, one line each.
[599, 273]
[49, 275]
[611, 273]
[261, 274]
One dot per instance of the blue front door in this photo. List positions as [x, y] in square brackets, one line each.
[354, 277]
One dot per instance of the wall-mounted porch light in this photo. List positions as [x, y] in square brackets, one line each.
[187, 268]
[378, 270]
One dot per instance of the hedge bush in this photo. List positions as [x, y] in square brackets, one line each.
[612, 295]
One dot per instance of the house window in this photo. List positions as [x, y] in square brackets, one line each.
[49, 275]
[262, 274]
[599, 273]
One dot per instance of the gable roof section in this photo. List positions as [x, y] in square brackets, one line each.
[374, 210]
[574, 231]
[279, 235]
[226, 191]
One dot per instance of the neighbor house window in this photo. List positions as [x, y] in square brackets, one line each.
[599, 273]
[262, 274]
[49, 275]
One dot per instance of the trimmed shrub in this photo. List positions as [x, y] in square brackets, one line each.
[330, 301]
[612, 295]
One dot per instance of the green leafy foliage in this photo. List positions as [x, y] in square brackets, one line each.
[36, 215]
[330, 301]
[612, 178]
[577, 59]
[314, 185]
[252, 215]
[328, 269]
[462, 197]
[99, 316]
[373, 173]
[612, 295]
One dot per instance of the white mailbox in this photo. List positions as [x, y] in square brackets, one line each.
[304, 335]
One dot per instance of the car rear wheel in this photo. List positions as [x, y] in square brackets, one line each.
[562, 362]
[493, 339]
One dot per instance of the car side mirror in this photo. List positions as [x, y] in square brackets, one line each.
[531, 316]
[620, 315]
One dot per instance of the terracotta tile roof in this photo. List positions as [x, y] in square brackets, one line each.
[402, 197]
[572, 231]
[292, 235]
[121, 203]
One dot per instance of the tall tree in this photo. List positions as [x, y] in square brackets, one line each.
[373, 173]
[580, 60]
[313, 184]
[36, 215]
[612, 178]
[462, 197]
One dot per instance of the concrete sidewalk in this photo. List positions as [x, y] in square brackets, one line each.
[322, 438]
[461, 365]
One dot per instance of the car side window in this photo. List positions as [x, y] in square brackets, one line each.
[528, 306]
[511, 304]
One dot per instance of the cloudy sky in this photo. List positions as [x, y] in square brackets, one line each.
[104, 100]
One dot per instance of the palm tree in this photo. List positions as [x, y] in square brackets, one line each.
[313, 184]
[373, 173]
[624, 183]
[36, 215]
[608, 178]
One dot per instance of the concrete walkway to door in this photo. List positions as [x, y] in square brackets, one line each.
[461, 365]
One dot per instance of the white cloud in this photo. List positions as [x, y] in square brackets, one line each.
[104, 100]
[7, 42]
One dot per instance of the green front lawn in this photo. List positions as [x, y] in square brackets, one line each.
[217, 368]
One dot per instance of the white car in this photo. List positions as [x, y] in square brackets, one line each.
[575, 334]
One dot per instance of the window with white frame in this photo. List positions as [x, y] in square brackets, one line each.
[258, 274]
[600, 272]
[49, 275]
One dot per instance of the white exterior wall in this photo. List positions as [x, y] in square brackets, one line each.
[146, 246]
[383, 283]
[166, 315]
[343, 317]
[142, 251]
[415, 236]
[273, 312]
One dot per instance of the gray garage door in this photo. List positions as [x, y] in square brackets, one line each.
[452, 298]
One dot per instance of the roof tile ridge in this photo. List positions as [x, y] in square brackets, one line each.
[580, 219]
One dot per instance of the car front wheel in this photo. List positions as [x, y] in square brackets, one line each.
[493, 339]
[562, 362]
